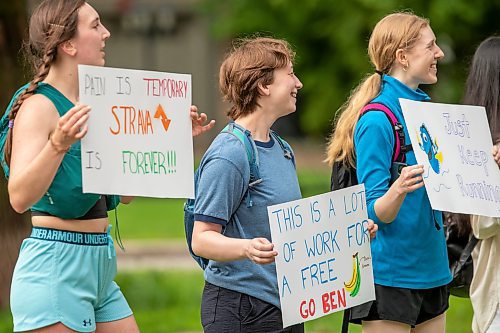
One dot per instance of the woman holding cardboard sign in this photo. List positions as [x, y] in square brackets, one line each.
[409, 254]
[483, 88]
[63, 280]
[235, 187]
[231, 225]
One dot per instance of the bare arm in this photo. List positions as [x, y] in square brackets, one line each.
[40, 140]
[208, 242]
[388, 205]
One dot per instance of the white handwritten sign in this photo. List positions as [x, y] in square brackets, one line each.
[324, 262]
[453, 142]
[139, 140]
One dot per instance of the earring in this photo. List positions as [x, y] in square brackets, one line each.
[405, 67]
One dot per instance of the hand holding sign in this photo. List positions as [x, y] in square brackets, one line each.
[198, 120]
[496, 153]
[71, 127]
[410, 179]
[260, 250]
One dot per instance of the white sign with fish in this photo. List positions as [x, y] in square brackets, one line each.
[453, 143]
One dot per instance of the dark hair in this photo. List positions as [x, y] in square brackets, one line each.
[483, 83]
[251, 62]
[53, 22]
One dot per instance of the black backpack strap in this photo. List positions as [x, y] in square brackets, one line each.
[466, 253]
[345, 321]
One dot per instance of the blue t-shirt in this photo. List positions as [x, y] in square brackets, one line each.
[410, 252]
[220, 199]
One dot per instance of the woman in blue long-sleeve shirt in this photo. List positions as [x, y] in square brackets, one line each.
[409, 253]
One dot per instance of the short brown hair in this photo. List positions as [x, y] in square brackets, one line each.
[250, 63]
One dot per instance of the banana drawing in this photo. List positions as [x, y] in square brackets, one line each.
[354, 284]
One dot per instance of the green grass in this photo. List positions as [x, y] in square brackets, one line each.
[150, 218]
[170, 302]
[166, 302]
[5, 321]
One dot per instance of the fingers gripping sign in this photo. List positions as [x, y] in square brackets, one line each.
[496, 153]
[372, 228]
[260, 251]
[70, 128]
[198, 120]
[411, 178]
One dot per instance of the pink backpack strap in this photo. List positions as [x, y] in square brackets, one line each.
[394, 122]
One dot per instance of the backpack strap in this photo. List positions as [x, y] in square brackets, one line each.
[287, 150]
[252, 154]
[253, 157]
[400, 148]
[466, 253]
[345, 320]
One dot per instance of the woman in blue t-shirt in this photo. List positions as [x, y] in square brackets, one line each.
[409, 253]
[231, 224]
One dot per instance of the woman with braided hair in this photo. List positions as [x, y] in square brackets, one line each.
[63, 280]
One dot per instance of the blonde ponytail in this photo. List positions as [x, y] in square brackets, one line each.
[393, 32]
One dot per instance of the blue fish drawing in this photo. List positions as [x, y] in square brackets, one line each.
[430, 147]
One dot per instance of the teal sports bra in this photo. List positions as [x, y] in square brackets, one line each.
[65, 198]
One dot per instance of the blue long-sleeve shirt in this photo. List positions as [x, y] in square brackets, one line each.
[410, 252]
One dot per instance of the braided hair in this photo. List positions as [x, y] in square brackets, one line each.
[53, 22]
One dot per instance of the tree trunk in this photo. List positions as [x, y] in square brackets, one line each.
[13, 227]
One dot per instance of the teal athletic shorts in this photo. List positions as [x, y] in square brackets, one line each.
[67, 277]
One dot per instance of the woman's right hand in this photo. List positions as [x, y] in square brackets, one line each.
[410, 179]
[70, 128]
[496, 153]
[260, 250]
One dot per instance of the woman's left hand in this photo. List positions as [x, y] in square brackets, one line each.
[198, 120]
[372, 228]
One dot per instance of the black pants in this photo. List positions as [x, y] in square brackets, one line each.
[407, 306]
[227, 311]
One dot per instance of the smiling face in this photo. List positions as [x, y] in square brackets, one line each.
[90, 38]
[283, 90]
[421, 60]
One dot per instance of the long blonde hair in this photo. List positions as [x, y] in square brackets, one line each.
[393, 32]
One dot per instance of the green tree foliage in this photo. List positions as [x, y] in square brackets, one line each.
[331, 39]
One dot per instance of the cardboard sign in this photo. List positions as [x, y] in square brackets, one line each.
[324, 262]
[453, 142]
[140, 139]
